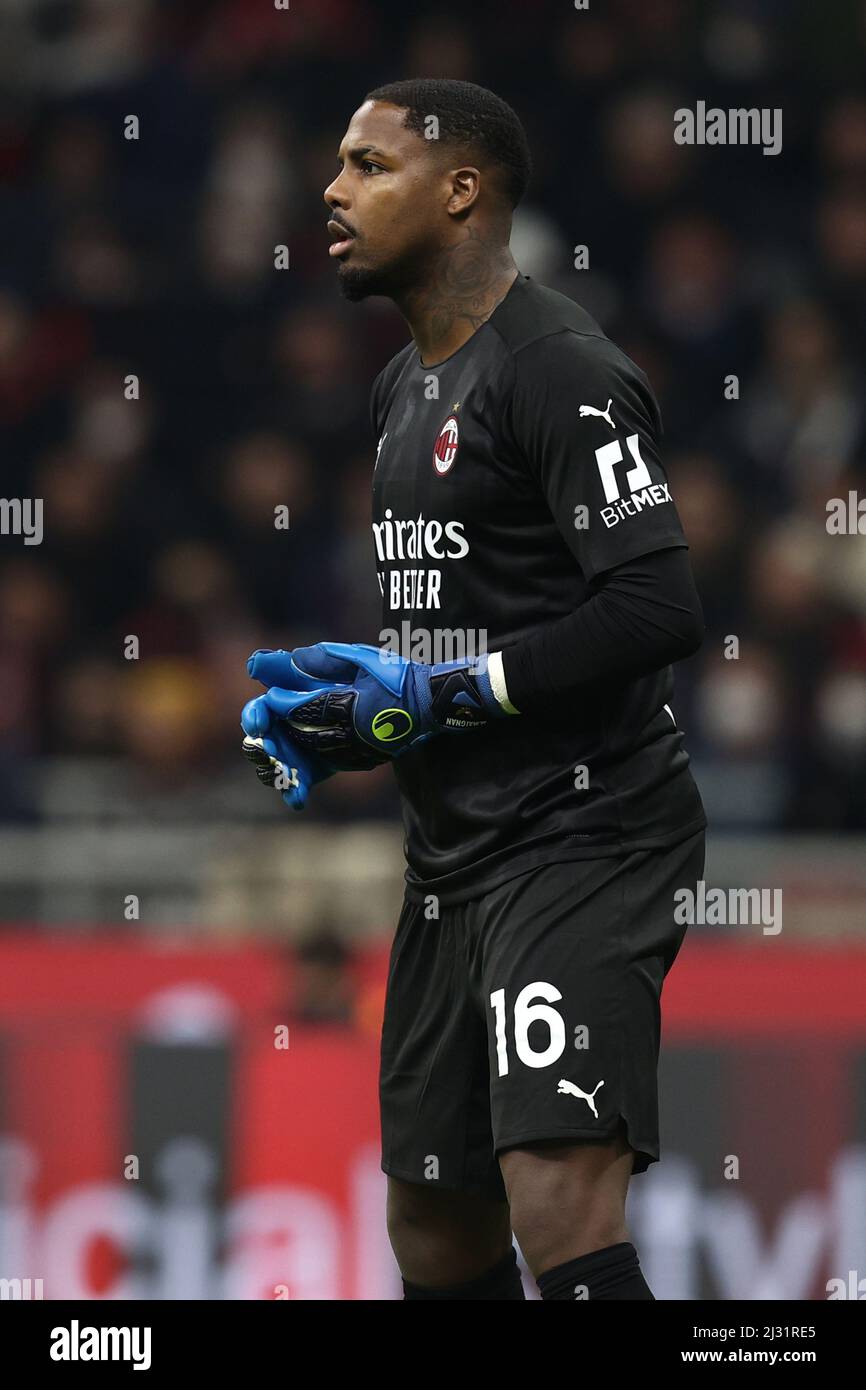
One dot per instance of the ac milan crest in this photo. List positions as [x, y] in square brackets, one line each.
[445, 448]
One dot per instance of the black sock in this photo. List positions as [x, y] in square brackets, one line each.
[500, 1282]
[609, 1273]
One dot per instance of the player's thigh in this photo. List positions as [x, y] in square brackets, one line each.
[566, 1198]
[573, 1171]
[554, 980]
[580, 1186]
[433, 1075]
[573, 960]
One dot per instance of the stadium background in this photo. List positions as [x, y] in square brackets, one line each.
[162, 914]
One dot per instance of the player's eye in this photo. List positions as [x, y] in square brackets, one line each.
[367, 164]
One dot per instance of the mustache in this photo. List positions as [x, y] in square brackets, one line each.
[340, 223]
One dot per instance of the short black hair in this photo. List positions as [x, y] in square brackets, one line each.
[471, 118]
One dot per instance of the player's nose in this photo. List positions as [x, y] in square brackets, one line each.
[335, 195]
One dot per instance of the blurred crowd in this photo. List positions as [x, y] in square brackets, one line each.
[163, 387]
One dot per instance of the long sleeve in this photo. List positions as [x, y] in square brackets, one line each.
[641, 616]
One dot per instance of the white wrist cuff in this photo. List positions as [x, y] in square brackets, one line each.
[496, 675]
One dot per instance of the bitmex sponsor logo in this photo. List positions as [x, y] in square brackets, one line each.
[630, 506]
[415, 539]
[77, 1343]
[644, 492]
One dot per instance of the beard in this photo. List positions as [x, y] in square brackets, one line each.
[357, 283]
[390, 280]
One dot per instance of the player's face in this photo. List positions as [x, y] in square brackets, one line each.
[383, 204]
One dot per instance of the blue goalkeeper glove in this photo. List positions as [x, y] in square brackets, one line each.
[279, 762]
[350, 702]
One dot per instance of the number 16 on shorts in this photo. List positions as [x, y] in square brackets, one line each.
[528, 1010]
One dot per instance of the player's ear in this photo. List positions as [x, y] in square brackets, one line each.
[464, 188]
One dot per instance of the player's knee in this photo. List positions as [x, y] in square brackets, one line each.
[560, 1210]
[441, 1238]
[410, 1213]
[549, 1233]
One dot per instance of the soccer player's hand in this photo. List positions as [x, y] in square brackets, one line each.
[346, 699]
[277, 759]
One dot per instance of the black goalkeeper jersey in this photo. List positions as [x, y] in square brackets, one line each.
[507, 479]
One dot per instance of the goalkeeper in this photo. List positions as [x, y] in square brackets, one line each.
[549, 807]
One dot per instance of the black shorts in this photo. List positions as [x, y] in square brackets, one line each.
[530, 1013]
